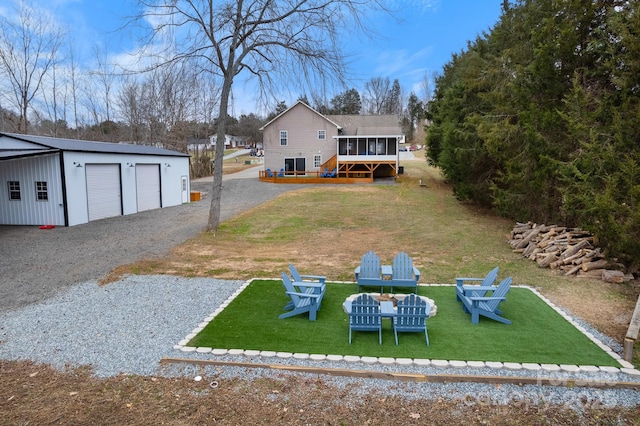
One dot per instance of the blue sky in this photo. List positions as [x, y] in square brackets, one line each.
[427, 34]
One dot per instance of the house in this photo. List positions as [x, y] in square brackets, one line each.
[66, 182]
[302, 141]
[230, 141]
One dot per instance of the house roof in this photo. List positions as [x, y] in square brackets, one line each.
[368, 125]
[58, 144]
[293, 106]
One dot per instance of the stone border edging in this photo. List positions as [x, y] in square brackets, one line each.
[627, 367]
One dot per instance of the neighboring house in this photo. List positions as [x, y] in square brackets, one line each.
[198, 145]
[302, 140]
[230, 141]
[66, 182]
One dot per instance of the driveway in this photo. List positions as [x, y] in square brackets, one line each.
[35, 264]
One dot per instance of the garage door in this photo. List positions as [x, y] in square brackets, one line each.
[104, 195]
[148, 186]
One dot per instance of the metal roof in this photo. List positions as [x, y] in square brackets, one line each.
[90, 146]
[24, 153]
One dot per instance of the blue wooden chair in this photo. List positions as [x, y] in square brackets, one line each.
[301, 301]
[281, 173]
[308, 283]
[404, 273]
[487, 306]
[411, 316]
[269, 173]
[365, 316]
[486, 285]
[318, 279]
[369, 273]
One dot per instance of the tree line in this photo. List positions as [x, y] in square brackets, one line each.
[539, 118]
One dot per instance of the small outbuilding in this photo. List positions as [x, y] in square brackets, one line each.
[67, 182]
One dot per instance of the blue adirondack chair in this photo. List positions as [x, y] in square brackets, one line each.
[308, 283]
[318, 279]
[269, 173]
[404, 273]
[281, 173]
[411, 316]
[325, 173]
[486, 284]
[365, 316]
[369, 273]
[487, 306]
[301, 301]
[333, 173]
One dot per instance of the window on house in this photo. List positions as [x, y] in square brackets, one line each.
[41, 191]
[317, 160]
[284, 136]
[322, 135]
[14, 190]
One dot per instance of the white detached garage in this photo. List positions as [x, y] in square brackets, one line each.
[65, 182]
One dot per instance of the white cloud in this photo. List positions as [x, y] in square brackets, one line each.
[416, 6]
[399, 62]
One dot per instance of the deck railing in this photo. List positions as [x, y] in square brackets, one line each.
[314, 177]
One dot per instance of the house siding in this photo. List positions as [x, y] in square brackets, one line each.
[302, 125]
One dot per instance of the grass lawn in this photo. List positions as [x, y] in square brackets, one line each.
[538, 333]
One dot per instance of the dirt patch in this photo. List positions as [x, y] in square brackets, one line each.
[36, 394]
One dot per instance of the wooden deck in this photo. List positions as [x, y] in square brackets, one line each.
[315, 178]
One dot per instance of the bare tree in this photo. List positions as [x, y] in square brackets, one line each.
[376, 95]
[73, 81]
[28, 48]
[275, 41]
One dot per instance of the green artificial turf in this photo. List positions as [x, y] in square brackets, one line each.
[538, 333]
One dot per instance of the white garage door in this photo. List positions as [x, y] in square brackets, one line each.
[104, 195]
[148, 186]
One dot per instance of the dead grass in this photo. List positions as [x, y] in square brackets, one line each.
[36, 394]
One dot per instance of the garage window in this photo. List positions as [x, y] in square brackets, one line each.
[14, 190]
[41, 191]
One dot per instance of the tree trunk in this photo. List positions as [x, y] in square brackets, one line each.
[548, 259]
[216, 191]
[596, 264]
[612, 276]
[574, 249]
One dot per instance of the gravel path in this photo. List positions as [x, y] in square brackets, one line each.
[35, 264]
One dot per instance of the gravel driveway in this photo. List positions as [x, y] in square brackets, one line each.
[35, 264]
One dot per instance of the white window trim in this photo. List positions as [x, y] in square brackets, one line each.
[14, 188]
[284, 136]
[322, 135]
[42, 191]
[317, 160]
